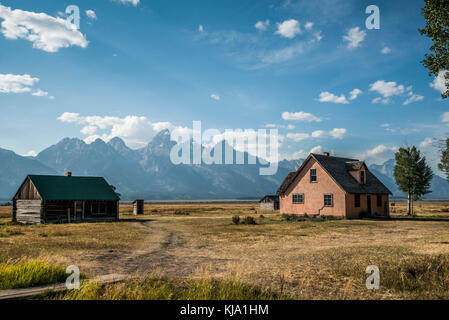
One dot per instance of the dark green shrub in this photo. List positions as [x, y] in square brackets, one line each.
[236, 219]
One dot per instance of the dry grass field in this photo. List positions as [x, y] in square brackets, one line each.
[304, 259]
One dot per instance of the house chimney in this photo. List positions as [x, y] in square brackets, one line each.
[326, 154]
[68, 174]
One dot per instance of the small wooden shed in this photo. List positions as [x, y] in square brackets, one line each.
[138, 206]
[44, 199]
[269, 202]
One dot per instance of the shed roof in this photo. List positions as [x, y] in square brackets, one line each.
[73, 188]
[338, 168]
[270, 197]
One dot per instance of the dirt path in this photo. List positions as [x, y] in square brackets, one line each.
[163, 252]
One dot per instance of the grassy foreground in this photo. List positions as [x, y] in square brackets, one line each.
[152, 288]
[29, 274]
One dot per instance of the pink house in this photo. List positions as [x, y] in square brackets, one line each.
[333, 186]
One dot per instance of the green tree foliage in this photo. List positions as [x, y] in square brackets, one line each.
[444, 162]
[436, 13]
[412, 174]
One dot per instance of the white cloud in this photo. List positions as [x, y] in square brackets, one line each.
[288, 28]
[308, 25]
[426, 142]
[262, 25]
[319, 134]
[330, 97]
[387, 89]
[40, 93]
[200, 28]
[47, 33]
[385, 50]
[378, 154]
[298, 136]
[413, 98]
[318, 36]
[300, 116]
[354, 37]
[133, 2]
[317, 149]
[439, 83]
[134, 130]
[338, 133]
[215, 97]
[354, 94]
[380, 100]
[91, 14]
[11, 83]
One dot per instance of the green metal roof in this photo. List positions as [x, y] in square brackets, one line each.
[73, 188]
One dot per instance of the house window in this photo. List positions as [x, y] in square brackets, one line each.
[313, 177]
[357, 201]
[362, 177]
[298, 198]
[379, 200]
[328, 200]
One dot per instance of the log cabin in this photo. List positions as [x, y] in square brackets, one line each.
[64, 199]
[333, 186]
[269, 202]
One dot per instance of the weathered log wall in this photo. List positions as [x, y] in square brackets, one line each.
[28, 211]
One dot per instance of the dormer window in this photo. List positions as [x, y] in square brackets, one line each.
[313, 177]
[362, 177]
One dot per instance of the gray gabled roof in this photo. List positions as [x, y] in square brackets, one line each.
[338, 169]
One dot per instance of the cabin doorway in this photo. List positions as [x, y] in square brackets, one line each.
[368, 204]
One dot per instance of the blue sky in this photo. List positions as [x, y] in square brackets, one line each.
[135, 68]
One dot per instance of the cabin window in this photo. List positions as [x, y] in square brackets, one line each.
[362, 177]
[357, 201]
[379, 200]
[298, 198]
[313, 177]
[328, 200]
[99, 208]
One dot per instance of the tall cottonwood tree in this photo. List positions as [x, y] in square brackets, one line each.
[436, 13]
[412, 174]
[444, 161]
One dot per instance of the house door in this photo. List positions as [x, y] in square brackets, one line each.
[368, 204]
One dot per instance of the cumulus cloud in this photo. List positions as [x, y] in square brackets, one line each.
[30, 153]
[338, 133]
[387, 89]
[47, 33]
[354, 94]
[300, 116]
[378, 154]
[288, 28]
[11, 83]
[262, 25]
[445, 117]
[134, 130]
[301, 154]
[200, 28]
[330, 97]
[280, 126]
[354, 37]
[385, 50]
[91, 14]
[439, 83]
[215, 97]
[282, 55]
